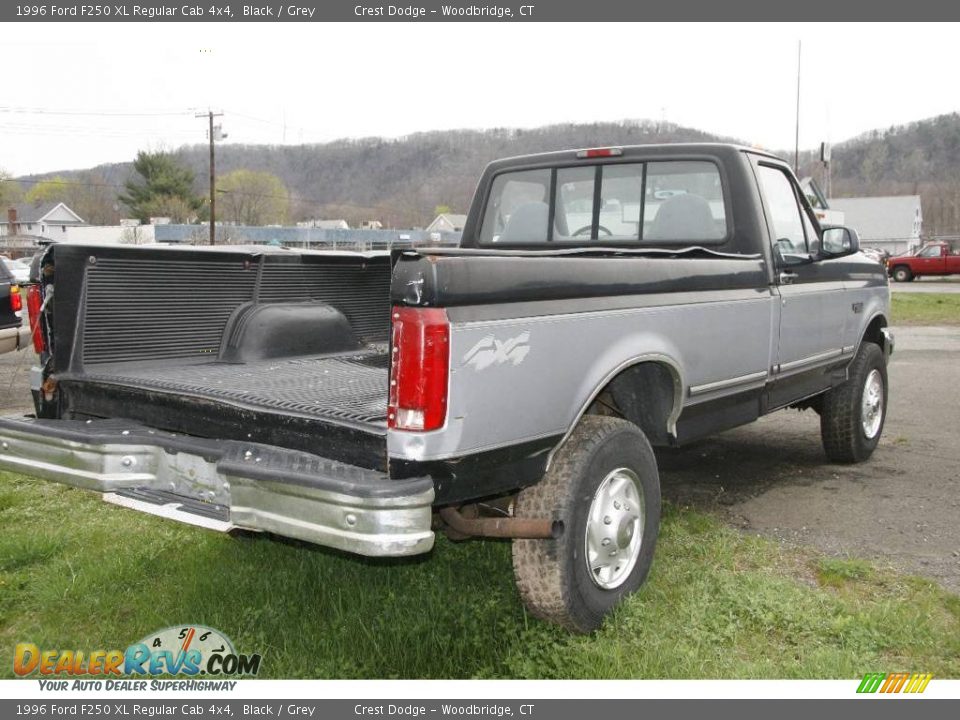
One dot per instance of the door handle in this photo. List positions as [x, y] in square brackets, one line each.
[787, 277]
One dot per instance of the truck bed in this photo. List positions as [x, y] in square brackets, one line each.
[344, 388]
[283, 348]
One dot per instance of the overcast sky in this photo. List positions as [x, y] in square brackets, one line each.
[142, 83]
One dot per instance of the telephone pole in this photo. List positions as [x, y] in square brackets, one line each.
[214, 133]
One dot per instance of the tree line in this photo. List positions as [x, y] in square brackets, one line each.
[160, 185]
[401, 182]
[921, 158]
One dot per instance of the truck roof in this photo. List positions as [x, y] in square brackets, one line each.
[628, 151]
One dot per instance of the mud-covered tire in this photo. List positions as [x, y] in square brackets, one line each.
[901, 273]
[553, 576]
[845, 427]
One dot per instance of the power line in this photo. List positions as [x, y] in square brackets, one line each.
[92, 113]
[286, 126]
[64, 182]
[34, 131]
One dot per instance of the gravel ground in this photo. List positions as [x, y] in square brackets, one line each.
[15, 382]
[902, 506]
[771, 477]
[950, 285]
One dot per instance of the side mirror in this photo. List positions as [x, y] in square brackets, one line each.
[839, 241]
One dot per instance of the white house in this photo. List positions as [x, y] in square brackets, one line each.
[125, 233]
[891, 223]
[50, 220]
[447, 222]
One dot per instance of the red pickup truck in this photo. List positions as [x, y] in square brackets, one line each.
[933, 259]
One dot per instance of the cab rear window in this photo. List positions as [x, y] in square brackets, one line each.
[663, 202]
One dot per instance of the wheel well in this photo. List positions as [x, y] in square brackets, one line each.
[874, 332]
[647, 394]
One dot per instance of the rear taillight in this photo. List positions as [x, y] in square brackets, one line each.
[16, 302]
[419, 366]
[34, 303]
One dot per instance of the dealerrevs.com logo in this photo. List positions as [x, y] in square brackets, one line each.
[191, 650]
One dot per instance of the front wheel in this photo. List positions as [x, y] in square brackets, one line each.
[902, 273]
[854, 412]
[604, 487]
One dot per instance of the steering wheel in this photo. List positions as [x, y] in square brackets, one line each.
[587, 228]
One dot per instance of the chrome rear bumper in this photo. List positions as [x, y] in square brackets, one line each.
[226, 484]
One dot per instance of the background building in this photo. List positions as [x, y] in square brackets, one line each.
[447, 222]
[51, 220]
[893, 223]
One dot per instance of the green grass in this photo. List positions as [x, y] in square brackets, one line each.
[837, 572]
[78, 573]
[909, 308]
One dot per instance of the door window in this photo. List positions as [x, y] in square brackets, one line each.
[932, 251]
[789, 241]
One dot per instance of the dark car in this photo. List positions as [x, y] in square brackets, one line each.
[12, 335]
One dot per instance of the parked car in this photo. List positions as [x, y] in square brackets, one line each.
[932, 259]
[19, 269]
[13, 334]
[876, 255]
[602, 302]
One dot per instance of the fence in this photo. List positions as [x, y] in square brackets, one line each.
[302, 237]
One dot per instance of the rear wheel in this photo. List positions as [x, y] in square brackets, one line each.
[604, 487]
[901, 273]
[854, 412]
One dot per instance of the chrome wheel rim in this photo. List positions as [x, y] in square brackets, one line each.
[614, 532]
[871, 405]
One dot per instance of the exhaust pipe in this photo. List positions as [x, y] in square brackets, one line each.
[500, 527]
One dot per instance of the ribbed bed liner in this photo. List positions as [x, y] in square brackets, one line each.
[351, 388]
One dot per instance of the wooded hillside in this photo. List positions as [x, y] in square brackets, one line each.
[400, 182]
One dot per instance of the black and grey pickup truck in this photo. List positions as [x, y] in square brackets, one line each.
[601, 302]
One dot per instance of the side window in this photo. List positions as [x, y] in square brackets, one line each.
[785, 216]
[574, 202]
[932, 251]
[518, 208]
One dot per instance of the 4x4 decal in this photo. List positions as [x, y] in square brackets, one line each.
[490, 351]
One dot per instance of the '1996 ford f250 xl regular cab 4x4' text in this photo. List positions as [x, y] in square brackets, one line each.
[601, 302]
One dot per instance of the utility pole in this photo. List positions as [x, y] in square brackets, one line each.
[213, 134]
[796, 139]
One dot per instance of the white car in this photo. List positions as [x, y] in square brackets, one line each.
[20, 269]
